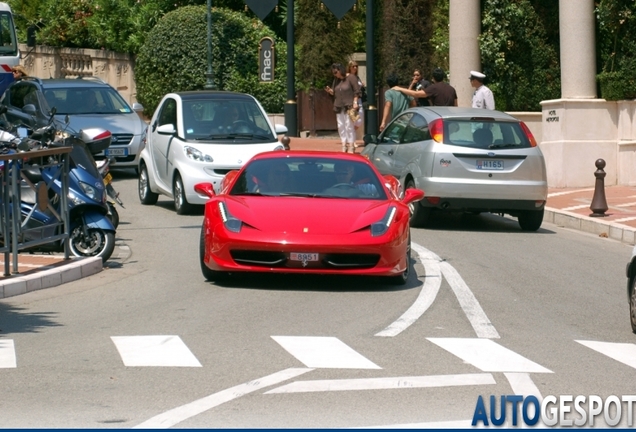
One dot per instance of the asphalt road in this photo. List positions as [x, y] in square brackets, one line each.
[489, 310]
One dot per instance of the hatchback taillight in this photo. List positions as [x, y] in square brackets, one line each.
[526, 130]
[436, 127]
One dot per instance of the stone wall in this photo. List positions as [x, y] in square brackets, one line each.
[114, 68]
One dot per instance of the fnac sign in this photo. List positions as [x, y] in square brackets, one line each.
[266, 60]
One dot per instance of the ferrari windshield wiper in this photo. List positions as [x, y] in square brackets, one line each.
[248, 194]
[298, 194]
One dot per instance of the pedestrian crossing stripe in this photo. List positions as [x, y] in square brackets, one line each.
[324, 352]
[621, 352]
[154, 351]
[7, 354]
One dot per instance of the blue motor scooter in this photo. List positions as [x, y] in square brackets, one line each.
[91, 231]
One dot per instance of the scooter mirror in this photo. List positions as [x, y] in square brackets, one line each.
[22, 132]
[23, 146]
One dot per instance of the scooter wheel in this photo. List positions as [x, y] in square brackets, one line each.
[113, 215]
[99, 243]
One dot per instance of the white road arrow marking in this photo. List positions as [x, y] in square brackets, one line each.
[387, 383]
[7, 354]
[154, 351]
[184, 412]
[488, 355]
[621, 352]
[324, 352]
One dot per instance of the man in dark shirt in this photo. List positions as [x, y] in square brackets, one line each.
[440, 93]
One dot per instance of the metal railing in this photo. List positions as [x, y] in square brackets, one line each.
[18, 231]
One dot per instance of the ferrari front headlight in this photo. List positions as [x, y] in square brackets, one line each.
[382, 226]
[230, 222]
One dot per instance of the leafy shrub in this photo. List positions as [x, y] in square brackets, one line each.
[174, 57]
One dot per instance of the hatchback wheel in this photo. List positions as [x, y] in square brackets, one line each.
[419, 214]
[146, 196]
[531, 220]
[181, 204]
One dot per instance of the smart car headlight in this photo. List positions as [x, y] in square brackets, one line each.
[230, 222]
[382, 226]
[197, 154]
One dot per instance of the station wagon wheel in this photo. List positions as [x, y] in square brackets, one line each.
[632, 304]
[146, 196]
[530, 220]
[181, 204]
[419, 214]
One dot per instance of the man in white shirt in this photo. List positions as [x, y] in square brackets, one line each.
[483, 97]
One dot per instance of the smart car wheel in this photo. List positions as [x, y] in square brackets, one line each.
[419, 214]
[146, 196]
[632, 305]
[181, 204]
[208, 274]
[531, 220]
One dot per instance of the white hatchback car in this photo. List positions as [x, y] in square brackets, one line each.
[200, 136]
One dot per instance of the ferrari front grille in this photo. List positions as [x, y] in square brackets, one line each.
[349, 261]
[259, 258]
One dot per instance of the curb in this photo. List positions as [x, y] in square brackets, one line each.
[598, 226]
[76, 269]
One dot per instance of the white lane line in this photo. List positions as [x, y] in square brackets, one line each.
[553, 194]
[488, 355]
[469, 303]
[154, 351]
[324, 352]
[522, 384]
[578, 207]
[7, 354]
[387, 383]
[621, 352]
[428, 293]
[626, 204]
[184, 412]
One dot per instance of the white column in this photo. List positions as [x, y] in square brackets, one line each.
[465, 27]
[578, 49]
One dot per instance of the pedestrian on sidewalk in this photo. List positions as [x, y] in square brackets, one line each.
[352, 69]
[394, 101]
[419, 82]
[346, 93]
[483, 97]
[440, 93]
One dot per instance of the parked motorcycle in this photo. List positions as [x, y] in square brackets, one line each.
[91, 231]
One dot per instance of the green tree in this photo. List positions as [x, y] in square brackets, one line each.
[521, 64]
[174, 57]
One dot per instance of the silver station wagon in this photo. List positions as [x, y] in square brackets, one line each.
[465, 160]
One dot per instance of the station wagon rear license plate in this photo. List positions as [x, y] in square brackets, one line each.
[304, 257]
[116, 152]
[490, 164]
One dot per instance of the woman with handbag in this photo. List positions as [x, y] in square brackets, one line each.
[352, 69]
[346, 93]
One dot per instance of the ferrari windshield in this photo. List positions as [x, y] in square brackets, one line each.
[219, 119]
[309, 177]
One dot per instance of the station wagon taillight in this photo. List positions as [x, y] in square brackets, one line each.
[526, 130]
[436, 128]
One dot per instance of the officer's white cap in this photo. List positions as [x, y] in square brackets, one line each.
[475, 74]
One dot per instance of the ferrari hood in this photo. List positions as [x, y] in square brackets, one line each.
[318, 216]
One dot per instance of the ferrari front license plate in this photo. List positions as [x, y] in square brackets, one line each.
[490, 164]
[304, 257]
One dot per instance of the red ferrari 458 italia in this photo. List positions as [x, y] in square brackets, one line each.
[307, 212]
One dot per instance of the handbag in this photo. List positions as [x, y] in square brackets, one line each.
[354, 114]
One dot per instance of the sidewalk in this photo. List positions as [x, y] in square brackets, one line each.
[569, 208]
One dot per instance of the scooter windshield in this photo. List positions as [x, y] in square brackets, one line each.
[80, 156]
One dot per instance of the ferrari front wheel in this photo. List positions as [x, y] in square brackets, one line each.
[208, 274]
[403, 277]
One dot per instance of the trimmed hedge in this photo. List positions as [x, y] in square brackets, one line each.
[174, 57]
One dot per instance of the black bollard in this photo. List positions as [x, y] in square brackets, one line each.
[285, 141]
[599, 203]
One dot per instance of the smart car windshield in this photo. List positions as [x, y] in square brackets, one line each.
[225, 119]
[309, 177]
[86, 100]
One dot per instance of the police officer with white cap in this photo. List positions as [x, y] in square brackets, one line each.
[482, 98]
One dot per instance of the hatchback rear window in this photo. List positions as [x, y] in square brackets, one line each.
[485, 134]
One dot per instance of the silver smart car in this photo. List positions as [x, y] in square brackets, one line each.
[465, 160]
